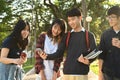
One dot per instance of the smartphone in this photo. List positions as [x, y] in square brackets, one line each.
[39, 50]
[23, 54]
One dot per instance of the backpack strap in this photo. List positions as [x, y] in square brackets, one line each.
[87, 40]
[67, 39]
[86, 37]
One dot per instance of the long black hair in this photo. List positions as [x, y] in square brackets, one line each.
[20, 25]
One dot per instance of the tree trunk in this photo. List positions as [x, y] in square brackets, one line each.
[84, 12]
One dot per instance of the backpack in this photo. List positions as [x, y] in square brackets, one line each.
[87, 40]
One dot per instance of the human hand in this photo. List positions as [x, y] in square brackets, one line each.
[116, 42]
[17, 61]
[83, 60]
[38, 51]
[23, 60]
[23, 57]
[43, 55]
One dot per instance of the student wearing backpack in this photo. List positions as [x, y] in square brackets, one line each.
[76, 66]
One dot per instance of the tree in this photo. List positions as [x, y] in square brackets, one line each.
[41, 13]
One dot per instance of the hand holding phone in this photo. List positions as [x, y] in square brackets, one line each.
[39, 50]
[23, 55]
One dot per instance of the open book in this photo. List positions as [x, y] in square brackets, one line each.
[93, 54]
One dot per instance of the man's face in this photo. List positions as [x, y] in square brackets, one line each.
[74, 22]
[113, 20]
[119, 22]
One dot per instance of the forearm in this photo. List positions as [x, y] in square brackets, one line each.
[57, 63]
[38, 63]
[100, 64]
[42, 74]
[53, 56]
[7, 60]
[100, 69]
[58, 54]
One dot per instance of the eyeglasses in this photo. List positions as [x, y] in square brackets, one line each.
[111, 17]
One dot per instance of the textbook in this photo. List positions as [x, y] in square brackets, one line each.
[93, 54]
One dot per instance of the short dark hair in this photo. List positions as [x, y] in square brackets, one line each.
[73, 12]
[114, 10]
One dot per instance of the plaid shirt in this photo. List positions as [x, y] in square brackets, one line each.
[39, 61]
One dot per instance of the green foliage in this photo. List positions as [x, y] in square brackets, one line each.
[41, 13]
[29, 64]
[5, 11]
[4, 32]
[94, 67]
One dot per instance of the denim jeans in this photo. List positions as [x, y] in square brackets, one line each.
[3, 72]
[10, 72]
[106, 77]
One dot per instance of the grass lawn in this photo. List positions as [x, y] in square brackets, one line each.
[94, 67]
[29, 64]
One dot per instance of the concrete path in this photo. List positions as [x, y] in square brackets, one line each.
[30, 75]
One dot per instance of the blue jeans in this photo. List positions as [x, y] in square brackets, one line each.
[10, 72]
[3, 72]
[106, 77]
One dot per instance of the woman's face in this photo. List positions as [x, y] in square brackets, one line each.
[56, 30]
[25, 32]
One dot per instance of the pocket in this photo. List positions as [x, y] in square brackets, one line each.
[20, 73]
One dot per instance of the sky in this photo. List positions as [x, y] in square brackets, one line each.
[115, 1]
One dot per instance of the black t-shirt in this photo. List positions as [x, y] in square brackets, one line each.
[11, 44]
[76, 47]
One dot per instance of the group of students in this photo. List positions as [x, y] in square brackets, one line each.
[53, 45]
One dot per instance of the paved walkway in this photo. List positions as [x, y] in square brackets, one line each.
[32, 76]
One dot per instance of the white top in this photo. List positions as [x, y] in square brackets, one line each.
[49, 48]
[83, 29]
